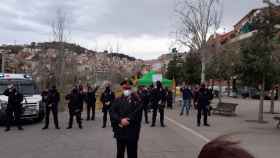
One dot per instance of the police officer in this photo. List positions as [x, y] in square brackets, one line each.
[157, 99]
[169, 98]
[14, 107]
[90, 100]
[202, 102]
[107, 98]
[74, 107]
[44, 95]
[126, 115]
[53, 99]
[83, 94]
[145, 99]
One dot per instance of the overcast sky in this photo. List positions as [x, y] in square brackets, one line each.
[140, 28]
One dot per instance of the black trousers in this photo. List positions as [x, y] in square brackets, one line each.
[105, 113]
[91, 108]
[78, 118]
[200, 111]
[13, 114]
[161, 112]
[146, 111]
[130, 145]
[54, 110]
[169, 104]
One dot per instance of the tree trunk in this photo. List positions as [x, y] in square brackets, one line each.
[272, 101]
[260, 119]
[220, 91]
[203, 67]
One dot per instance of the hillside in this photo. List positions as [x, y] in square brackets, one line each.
[41, 61]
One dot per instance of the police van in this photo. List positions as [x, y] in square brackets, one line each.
[32, 103]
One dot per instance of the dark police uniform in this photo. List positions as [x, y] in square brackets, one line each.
[158, 98]
[53, 99]
[14, 108]
[90, 100]
[169, 98]
[74, 108]
[202, 101]
[107, 97]
[127, 137]
[145, 99]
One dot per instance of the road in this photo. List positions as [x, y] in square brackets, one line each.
[173, 141]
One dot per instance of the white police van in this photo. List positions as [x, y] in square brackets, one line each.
[32, 103]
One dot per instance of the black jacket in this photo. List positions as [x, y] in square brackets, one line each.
[14, 99]
[157, 95]
[169, 96]
[123, 107]
[74, 102]
[145, 97]
[53, 97]
[107, 96]
[203, 98]
[90, 97]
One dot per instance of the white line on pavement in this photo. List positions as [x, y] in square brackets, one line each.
[188, 129]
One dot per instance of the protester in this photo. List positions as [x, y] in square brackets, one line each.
[157, 98]
[126, 116]
[53, 99]
[186, 99]
[223, 148]
[90, 100]
[14, 107]
[74, 107]
[107, 98]
[202, 102]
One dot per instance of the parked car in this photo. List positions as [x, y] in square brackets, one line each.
[32, 104]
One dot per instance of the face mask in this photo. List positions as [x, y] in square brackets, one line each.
[127, 93]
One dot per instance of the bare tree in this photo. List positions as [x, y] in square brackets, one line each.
[198, 20]
[59, 30]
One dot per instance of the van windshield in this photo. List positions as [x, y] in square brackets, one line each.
[24, 87]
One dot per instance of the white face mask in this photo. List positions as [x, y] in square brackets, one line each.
[127, 93]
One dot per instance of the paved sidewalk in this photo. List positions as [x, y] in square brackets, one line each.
[93, 141]
[263, 140]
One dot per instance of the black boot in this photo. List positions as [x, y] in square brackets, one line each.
[44, 128]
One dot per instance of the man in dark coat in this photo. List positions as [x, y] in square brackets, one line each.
[107, 98]
[52, 106]
[74, 107]
[157, 99]
[145, 99]
[126, 116]
[90, 100]
[202, 102]
[14, 107]
[83, 94]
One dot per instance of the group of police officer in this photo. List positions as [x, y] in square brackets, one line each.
[76, 99]
[125, 111]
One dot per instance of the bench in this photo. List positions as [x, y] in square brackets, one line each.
[227, 109]
[277, 118]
